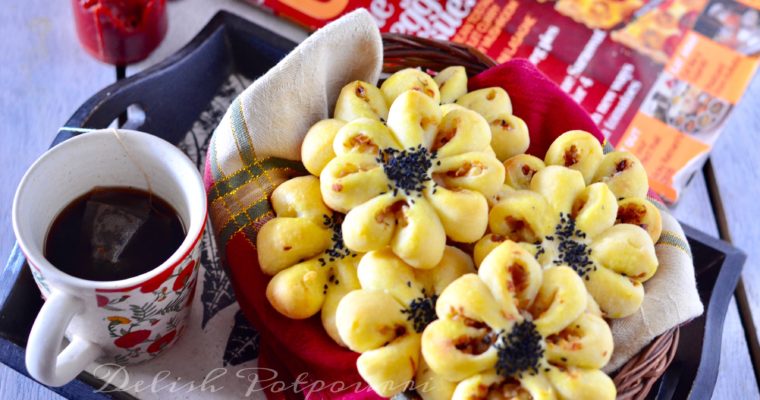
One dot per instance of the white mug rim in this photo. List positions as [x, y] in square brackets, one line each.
[194, 229]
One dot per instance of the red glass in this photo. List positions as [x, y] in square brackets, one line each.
[120, 32]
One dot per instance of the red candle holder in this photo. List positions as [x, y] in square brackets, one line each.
[120, 32]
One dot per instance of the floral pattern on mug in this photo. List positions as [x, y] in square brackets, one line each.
[149, 322]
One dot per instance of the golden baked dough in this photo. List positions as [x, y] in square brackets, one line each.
[520, 170]
[517, 330]
[317, 146]
[582, 209]
[303, 250]
[425, 176]
[509, 134]
[385, 318]
[360, 99]
[409, 79]
[452, 83]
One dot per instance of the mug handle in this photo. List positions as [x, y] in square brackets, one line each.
[44, 358]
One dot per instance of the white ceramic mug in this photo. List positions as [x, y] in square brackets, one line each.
[122, 321]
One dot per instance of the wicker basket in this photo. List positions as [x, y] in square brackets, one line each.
[635, 379]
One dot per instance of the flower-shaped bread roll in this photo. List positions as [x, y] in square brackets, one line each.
[303, 249]
[509, 134]
[584, 209]
[516, 330]
[413, 182]
[385, 318]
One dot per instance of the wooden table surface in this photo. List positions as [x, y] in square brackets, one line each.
[46, 76]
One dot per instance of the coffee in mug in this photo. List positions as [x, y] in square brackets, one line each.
[113, 233]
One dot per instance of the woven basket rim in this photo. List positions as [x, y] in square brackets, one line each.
[635, 378]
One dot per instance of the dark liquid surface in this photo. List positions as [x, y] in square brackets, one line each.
[113, 233]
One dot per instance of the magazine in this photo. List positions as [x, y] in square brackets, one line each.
[659, 77]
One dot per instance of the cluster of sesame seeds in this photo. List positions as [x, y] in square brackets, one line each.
[571, 251]
[338, 250]
[408, 170]
[331, 279]
[421, 311]
[519, 351]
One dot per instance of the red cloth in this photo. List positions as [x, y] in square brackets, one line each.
[293, 347]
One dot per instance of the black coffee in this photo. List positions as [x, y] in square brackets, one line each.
[113, 233]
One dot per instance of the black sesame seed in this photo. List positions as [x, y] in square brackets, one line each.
[570, 250]
[421, 311]
[519, 350]
[408, 170]
[338, 250]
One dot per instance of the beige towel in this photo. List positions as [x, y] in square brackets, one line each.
[271, 117]
[280, 107]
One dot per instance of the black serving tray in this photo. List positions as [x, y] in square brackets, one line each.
[173, 93]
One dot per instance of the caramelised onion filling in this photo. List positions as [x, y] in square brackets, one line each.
[396, 212]
[540, 305]
[528, 172]
[632, 214]
[475, 345]
[567, 339]
[520, 230]
[361, 92]
[350, 168]
[578, 205]
[571, 155]
[519, 282]
[467, 169]
[424, 89]
[444, 136]
[509, 389]
[622, 165]
[361, 143]
[398, 331]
